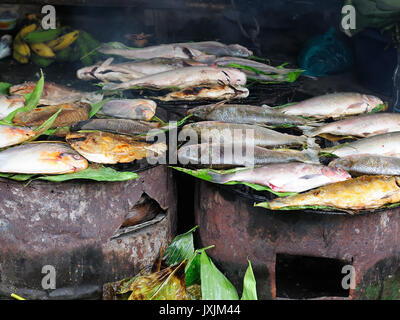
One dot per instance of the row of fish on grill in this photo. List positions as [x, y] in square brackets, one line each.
[361, 143]
[114, 136]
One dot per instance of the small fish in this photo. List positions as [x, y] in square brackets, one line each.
[135, 109]
[5, 46]
[334, 105]
[365, 192]
[9, 104]
[222, 132]
[54, 94]
[41, 158]
[386, 144]
[119, 126]
[69, 115]
[368, 164]
[286, 177]
[10, 135]
[215, 92]
[109, 148]
[222, 156]
[361, 126]
[248, 114]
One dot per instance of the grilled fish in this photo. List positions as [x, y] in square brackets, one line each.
[69, 115]
[109, 148]
[365, 192]
[135, 109]
[222, 132]
[386, 144]
[334, 105]
[368, 164]
[41, 158]
[9, 104]
[215, 92]
[216, 155]
[361, 126]
[287, 177]
[54, 94]
[183, 78]
[14, 135]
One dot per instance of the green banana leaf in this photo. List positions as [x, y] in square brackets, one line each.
[181, 248]
[4, 86]
[249, 285]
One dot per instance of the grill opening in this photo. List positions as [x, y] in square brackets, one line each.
[305, 277]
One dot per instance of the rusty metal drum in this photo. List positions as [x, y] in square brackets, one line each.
[79, 229]
[294, 249]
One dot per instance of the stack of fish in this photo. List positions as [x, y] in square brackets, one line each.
[191, 71]
[364, 175]
[113, 137]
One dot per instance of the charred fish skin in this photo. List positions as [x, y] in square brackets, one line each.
[9, 104]
[10, 135]
[368, 164]
[41, 158]
[361, 126]
[135, 109]
[184, 78]
[383, 144]
[365, 192]
[287, 177]
[334, 105]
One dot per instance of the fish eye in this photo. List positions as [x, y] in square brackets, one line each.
[76, 157]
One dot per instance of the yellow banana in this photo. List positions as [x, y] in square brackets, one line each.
[64, 41]
[21, 48]
[42, 50]
[19, 58]
[25, 30]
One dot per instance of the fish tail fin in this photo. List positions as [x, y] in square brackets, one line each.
[312, 151]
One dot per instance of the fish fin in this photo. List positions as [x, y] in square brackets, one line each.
[269, 109]
[107, 62]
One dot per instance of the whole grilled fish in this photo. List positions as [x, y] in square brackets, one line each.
[109, 148]
[222, 132]
[333, 105]
[119, 126]
[120, 72]
[9, 104]
[368, 164]
[159, 51]
[135, 109]
[183, 78]
[361, 126]
[54, 94]
[214, 92]
[386, 144]
[214, 155]
[10, 135]
[41, 158]
[218, 49]
[286, 177]
[249, 114]
[365, 192]
[69, 114]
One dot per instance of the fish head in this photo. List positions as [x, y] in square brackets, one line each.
[201, 111]
[240, 51]
[336, 174]
[234, 76]
[71, 159]
[372, 102]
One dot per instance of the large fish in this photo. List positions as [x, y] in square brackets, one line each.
[334, 105]
[41, 158]
[135, 109]
[54, 94]
[119, 126]
[159, 51]
[286, 177]
[120, 72]
[69, 115]
[361, 126]
[386, 144]
[368, 164]
[249, 114]
[365, 192]
[222, 132]
[213, 92]
[109, 148]
[10, 135]
[216, 155]
[183, 78]
[218, 49]
[9, 104]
